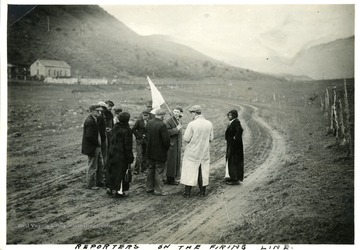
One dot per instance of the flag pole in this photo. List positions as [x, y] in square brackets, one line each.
[156, 96]
[171, 114]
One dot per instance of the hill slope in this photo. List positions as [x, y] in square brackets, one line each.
[96, 44]
[333, 60]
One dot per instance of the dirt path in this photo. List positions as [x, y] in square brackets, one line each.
[60, 210]
[223, 210]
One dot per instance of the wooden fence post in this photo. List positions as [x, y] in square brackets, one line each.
[327, 103]
[321, 103]
[341, 122]
[347, 132]
[334, 117]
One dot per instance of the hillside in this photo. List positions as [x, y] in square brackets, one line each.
[333, 60]
[96, 44]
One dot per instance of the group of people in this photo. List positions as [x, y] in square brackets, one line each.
[108, 143]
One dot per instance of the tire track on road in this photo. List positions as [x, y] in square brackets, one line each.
[220, 212]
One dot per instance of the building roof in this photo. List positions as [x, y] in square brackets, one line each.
[54, 63]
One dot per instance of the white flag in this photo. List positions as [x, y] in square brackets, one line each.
[157, 99]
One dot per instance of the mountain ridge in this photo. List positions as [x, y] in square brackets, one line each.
[96, 44]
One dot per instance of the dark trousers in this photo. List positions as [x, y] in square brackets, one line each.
[154, 179]
[140, 161]
[95, 170]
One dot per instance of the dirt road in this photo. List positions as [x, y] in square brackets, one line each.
[49, 205]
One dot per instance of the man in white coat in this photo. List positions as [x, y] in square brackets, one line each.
[196, 161]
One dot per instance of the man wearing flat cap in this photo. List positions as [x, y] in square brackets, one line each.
[91, 146]
[196, 161]
[117, 111]
[156, 152]
[139, 130]
[172, 169]
[149, 109]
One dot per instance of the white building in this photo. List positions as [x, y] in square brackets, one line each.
[50, 68]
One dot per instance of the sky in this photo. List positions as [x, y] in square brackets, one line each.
[241, 34]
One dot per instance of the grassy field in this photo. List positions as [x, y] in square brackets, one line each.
[307, 198]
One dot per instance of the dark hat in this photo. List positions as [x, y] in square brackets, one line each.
[149, 104]
[117, 110]
[160, 111]
[233, 113]
[179, 108]
[195, 108]
[93, 107]
[124, 117]
[110, 103]
[145, 112]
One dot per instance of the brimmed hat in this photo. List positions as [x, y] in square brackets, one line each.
[117, 110]
[179, 108]
[195, 108]
[110, 103]
[145, 112]
[160, 111]
[102, 104]
[93, 107]
[149, 104]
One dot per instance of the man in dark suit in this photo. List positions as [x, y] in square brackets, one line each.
[173, 164]
[156, 152]
[139, 130]
[91, 146]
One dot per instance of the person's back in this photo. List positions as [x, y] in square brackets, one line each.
[158, 140]
[196, 161]
[158, 145]
[198, 135]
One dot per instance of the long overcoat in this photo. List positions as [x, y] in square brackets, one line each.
[158, 140]
[199, 133]
[235, 150]
[90, 139]
[120, 155]
[174, 154]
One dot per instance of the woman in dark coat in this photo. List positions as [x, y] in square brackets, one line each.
[120, 156]
[234, 150]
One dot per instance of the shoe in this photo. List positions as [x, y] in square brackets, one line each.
[185, 195]
[100, 185]
[202, 192]
[174, 183]
[117, 195]
[161, 194]
[187, 192]
[109, 192]
[149, 191]
[232, 182]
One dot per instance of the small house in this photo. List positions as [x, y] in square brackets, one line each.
[50, 68]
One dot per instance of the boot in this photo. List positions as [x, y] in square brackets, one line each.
[203, 191]
[187, 192]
